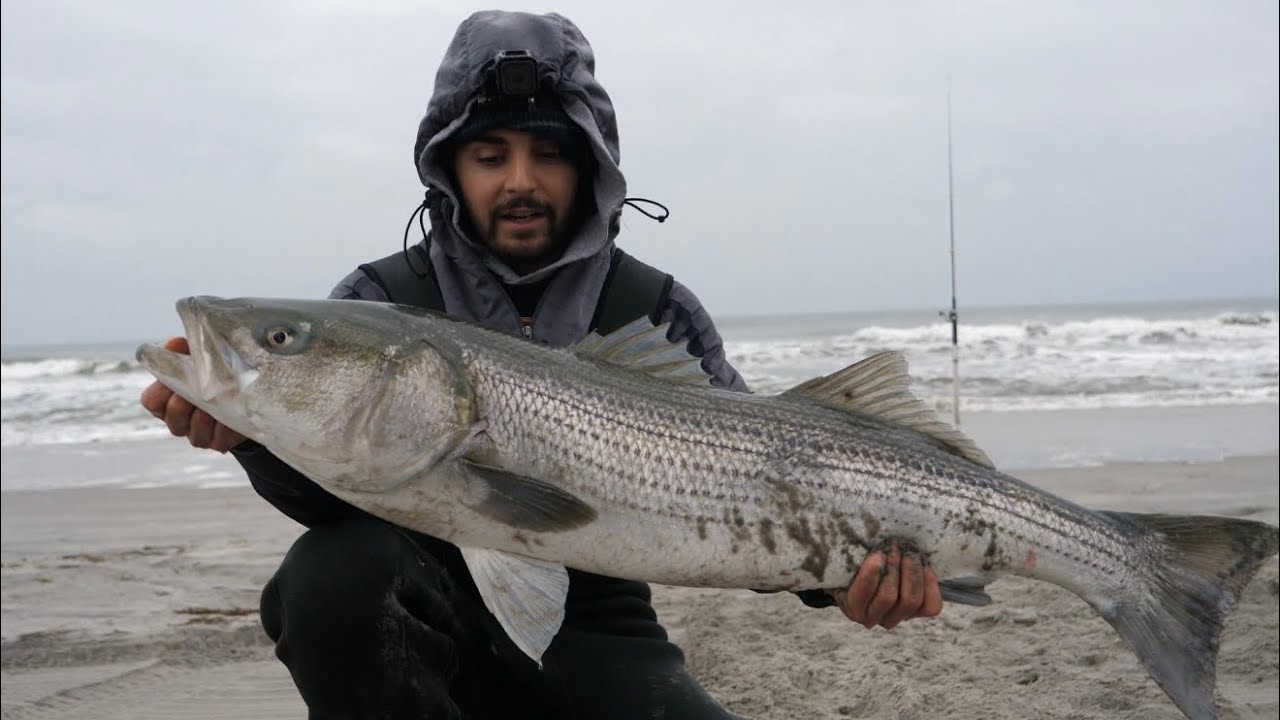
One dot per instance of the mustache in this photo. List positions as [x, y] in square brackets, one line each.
[524, 203]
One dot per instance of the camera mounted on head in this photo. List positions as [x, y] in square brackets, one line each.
[511, 83]
[513, 96]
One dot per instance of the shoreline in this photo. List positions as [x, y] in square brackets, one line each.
[142, 604]
[1017, 440]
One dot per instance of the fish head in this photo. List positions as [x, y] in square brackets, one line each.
[358, 396]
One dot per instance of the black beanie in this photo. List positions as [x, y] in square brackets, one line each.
[545, 120]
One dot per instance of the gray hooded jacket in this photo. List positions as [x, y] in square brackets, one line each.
[471, 278]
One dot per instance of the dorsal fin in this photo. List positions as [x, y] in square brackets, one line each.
[640, 345]
[879, 386]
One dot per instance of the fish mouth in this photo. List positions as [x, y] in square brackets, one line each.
[213, 371]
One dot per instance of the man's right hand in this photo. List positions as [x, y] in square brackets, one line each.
[183, 418]
[889, 587]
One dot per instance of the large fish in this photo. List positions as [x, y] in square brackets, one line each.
[616, 457]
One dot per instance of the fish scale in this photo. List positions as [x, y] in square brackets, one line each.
[679, 443]
[534, 409]
[606, 458]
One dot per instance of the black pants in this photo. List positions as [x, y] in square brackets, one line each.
[376, 622]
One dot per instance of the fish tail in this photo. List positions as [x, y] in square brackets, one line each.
[1172, 613]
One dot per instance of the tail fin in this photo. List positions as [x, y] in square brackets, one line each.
[1198, 566]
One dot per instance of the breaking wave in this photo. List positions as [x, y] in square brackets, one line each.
[56, 367]
[1044, 363]
[1043, 359]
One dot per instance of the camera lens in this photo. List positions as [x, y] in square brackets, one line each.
[518, 76]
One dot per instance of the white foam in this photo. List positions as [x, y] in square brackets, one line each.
[1032, 360]
[1119, 361]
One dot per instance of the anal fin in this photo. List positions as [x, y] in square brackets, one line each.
[965, 591]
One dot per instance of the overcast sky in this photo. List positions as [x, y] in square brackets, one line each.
[1104, 151]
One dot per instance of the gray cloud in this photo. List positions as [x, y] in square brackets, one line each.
[1104, 151]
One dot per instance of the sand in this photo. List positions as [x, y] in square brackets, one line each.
[141, 603]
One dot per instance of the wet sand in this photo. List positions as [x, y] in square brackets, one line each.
[141, 603]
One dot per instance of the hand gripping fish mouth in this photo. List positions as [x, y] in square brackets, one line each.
[213, 371]
[326, 393]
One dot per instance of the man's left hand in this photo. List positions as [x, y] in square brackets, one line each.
[889, 588]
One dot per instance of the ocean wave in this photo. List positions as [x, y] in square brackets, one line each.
[13, 435]
[59, 367]
[992, 387]
[1108, 331]
[1219, 357]
[1111, 401]
[1253, 319]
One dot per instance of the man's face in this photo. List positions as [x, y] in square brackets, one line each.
[519, 192]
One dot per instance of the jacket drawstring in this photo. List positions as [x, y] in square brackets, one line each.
[419, 213]
[633, 202]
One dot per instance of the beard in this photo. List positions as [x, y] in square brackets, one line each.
[526, 250]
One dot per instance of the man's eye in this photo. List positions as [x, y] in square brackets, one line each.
[489, 159]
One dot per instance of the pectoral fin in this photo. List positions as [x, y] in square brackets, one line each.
[527, 596]
[526, 503]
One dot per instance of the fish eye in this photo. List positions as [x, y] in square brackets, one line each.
[279, 337]
[283, 337]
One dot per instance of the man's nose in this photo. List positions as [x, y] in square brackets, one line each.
[520, 178]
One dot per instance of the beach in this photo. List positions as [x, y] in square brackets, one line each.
[132, 563]
[142, 603]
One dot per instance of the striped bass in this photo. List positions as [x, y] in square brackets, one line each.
[616, 457]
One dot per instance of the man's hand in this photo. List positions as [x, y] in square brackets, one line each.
[890, 588]
[183, 418]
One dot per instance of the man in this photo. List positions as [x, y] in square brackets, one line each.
[519, 151]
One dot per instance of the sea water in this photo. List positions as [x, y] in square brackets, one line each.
[1152, 381]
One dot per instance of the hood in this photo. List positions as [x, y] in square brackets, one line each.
[567, 66]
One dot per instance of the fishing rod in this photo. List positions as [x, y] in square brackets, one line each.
[953, 316]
